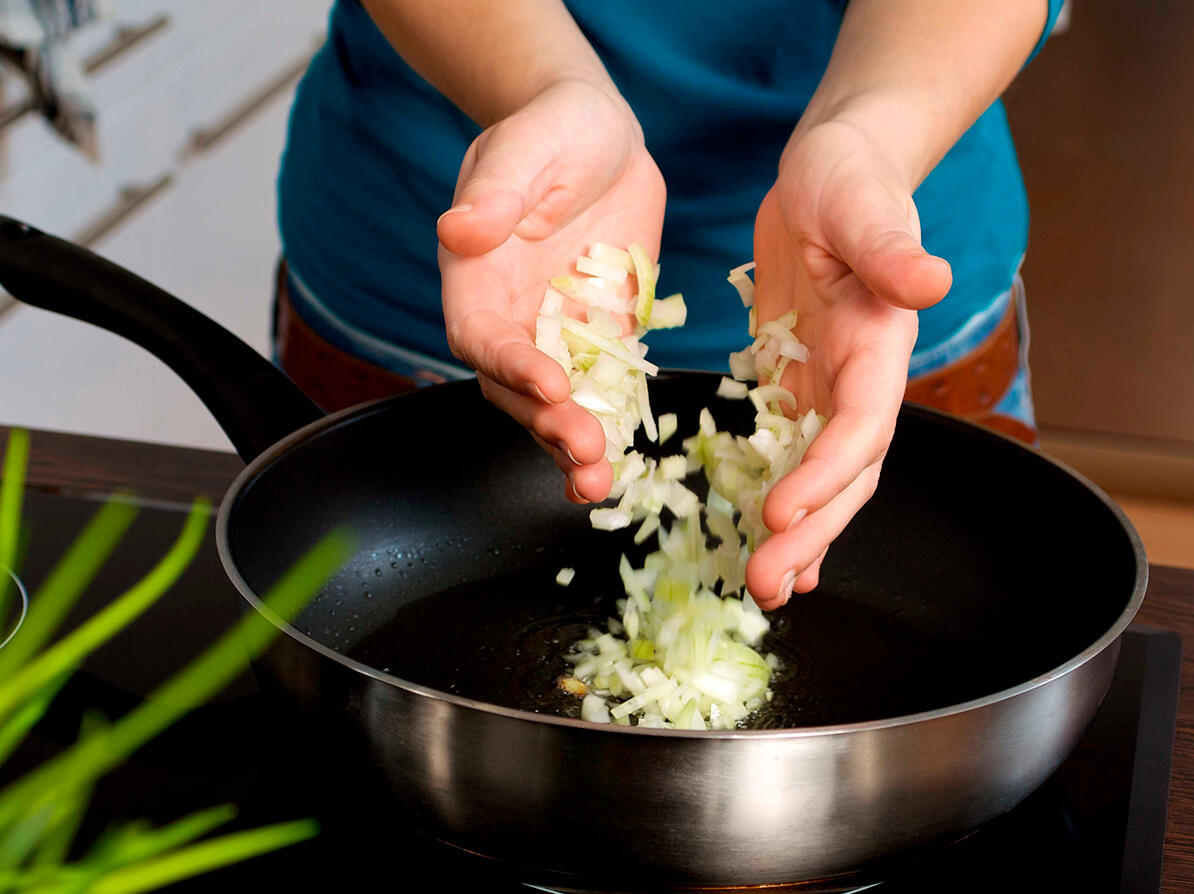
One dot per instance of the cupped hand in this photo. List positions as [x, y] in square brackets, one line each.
[838, 240]
[535, 191]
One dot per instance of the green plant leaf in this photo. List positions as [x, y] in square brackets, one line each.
[56, 841]
[14, 729]
[193, 685]
[42, 880]
[100, 628]
[20, 837]
[16, 459]
[70, 578]
[222, 661]
[143, 843]
[204, 857]
[42, 821]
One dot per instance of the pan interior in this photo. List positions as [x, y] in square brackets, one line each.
[977, 565]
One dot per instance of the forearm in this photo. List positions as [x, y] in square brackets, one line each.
[915, 74]
[489, 58]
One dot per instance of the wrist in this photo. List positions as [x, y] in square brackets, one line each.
[555, 76]
[899, 127]
[594, 101]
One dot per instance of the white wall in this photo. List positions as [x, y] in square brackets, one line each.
[209, 236]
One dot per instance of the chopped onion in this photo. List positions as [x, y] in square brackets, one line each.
[644, 273]
[743, 283]
[594, 709]
[602, 323]
[602, 270]
[553, 303]
[582, 334]
[610, 519]
[592, 401]
[684, 651]
[588, 293]
[742, 365]
[548, 332]
[667, 426]
[614, 257]
[673, 468]
[644, 407]
[564, 576]
[766, 394]
[731, 389]
[649, 526]
[668, 313]
[793, 350]
[811, 425]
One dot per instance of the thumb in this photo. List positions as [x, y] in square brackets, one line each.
[506, 183]
[876, 240]
[895, 266]
[488, 205]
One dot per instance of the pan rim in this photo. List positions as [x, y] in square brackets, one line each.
[275, 451]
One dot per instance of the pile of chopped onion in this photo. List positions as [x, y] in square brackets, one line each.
[743, 469]
[684, 651]
[607, 369]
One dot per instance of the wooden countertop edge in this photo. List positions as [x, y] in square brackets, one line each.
[81, 464]
[70, 463]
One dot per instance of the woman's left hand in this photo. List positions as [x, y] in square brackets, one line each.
[838, 240]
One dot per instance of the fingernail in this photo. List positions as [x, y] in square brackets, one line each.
[799, 514]
[455, 209]
[575, 494]
[568, 453]
[531, 386]
[786, 584]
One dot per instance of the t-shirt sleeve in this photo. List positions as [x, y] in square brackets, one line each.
[1054, 11]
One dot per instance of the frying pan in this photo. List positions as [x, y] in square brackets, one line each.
[964, 633]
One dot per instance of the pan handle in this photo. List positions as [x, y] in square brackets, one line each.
[251, 399]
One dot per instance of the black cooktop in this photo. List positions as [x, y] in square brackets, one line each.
[1097, 825]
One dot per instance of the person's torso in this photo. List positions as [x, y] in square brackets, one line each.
[373, 153]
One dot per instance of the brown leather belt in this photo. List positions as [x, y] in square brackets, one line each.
[335, 379]
[974, 383]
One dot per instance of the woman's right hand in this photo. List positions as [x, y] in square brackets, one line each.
[535, 191]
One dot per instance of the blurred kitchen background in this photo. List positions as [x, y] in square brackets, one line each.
[191, 101]
[190, 105]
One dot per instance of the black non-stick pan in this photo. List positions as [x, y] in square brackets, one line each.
[962, 637]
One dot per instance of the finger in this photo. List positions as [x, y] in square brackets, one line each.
[850, 442]
[566, 426]
[497, 348]
[808, 579]
[774, 567]
[579, 480]
[866, 398]
[565, 465]
[592, 483]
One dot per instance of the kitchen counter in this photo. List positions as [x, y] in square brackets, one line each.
[62, 463]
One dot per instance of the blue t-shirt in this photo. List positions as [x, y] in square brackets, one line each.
[373, 153]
